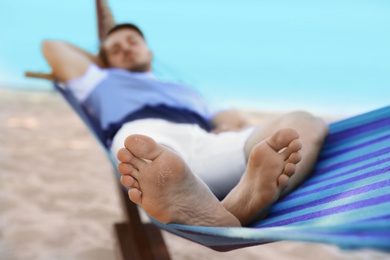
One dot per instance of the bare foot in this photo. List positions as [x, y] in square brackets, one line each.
[270, 165]
[163, 185]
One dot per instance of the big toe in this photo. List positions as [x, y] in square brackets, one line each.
[282, 138]
[143, 146]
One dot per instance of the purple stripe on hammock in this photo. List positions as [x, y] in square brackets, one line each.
[356, 130]
[355, 121]
[339, 183]
[386, 217]
[330, 211]
[354, 234]
[332, 198]
[313, 182]
[229, 247]
[351, 161]
[352, 148]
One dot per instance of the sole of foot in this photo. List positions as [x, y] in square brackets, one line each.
[164, 186]
[270, 166]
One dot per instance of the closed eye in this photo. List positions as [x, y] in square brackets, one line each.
[115, 49]
[131, 40]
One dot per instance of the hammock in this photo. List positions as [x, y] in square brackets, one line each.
[345, 202]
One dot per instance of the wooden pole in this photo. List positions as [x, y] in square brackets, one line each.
[39, 75]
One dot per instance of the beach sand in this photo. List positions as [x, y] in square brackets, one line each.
[59, 198]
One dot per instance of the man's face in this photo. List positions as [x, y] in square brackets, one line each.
[126, 49]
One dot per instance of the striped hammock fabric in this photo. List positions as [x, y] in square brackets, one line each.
[345, 202]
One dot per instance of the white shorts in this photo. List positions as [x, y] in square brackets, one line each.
[218, 159]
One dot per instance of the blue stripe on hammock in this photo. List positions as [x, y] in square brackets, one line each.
[356, 121]
[362, 176]
[332, 211]
[313, 206]
[349, 159]
[332, 198]
[358, 130]
[322, 179]
[353, 148]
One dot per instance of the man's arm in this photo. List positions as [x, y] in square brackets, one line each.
[229, 121]
[66, 60]
[104, 17]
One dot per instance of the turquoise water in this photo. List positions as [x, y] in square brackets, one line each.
[325, 56]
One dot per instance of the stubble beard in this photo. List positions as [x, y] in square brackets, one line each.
[144, 67]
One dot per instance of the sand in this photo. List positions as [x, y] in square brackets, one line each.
[59, 198]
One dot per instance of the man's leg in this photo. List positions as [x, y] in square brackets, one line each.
[271, 163]
[312, 132]
[278, 161]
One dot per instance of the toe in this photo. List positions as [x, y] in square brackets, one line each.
[143, 147]
[128, 169]
[124, 155]
[289, 169]
[295, 158]
[129, 181]
[282, 138]
[135, 196]
[283, 181]
[125, 168]
[293, 147]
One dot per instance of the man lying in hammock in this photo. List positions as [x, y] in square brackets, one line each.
[176, 154]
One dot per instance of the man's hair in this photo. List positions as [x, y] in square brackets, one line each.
[102, 54]
[124, 26]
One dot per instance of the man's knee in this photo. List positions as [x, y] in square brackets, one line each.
[300, 116]
[307, 123]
